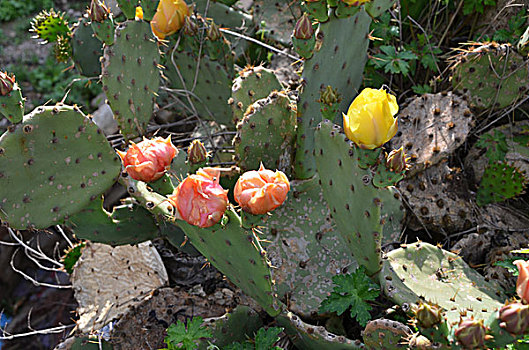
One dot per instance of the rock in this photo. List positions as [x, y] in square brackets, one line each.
[103, 117]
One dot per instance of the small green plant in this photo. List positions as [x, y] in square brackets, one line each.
[185, 338]
[517, 25]
[264, 340]
[352, 290]
[393, 60]
[71, 256]
[495, 144]
[422, 89]
[12, 9]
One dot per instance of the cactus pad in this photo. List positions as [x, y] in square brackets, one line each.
[385, 334]
[12, 105]
[265, 134]
[48, 25]
[306, 251]
[356, 204]
[494, 75]
[86, 49]
[422, 271]
[252, 84]
[338, 64]
[127, 224]
[237, 253]
[308, 337]
[131, 76]
[500, 181]
[52, 164]
[128, 7]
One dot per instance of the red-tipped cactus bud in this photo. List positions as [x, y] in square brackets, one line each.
[148, 160]
[197, 153]
[214, 32]
[397, 161]
[428, 315]
[7, 83]
[515, 318]
[330, 96]
[190, 27]
[303, 28]
[199, 199]
[522, 284]
[261, 191]
[98, 12]
[471, 334]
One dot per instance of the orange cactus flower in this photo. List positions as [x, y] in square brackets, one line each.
[522, 284]
[261, 191]
[199, 199]
[148, 160]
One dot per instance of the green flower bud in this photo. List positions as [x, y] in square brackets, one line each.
[197, 153]
[98, 12]
[471, 334]
[515, 318]
[303, 28]
[6, 83]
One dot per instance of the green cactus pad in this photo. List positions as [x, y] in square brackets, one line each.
[12, 105]
[265, 134]
[356, 204]
[48, 25]
[385, 334]
[104, 30]
[338, 63]
[252, 84]
[86, 49]
[423, 271]
[128, 7]
[149, 8]
[305, 249]
[308, 337]
[500, 182]
[213, 85]
[52, 164]
[237, 326]
[131, 77]
[237, 253]
[494, 75]
[127, 224]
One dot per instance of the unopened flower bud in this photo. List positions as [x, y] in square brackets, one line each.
[148, 160]
[303, 28]
[190, 27]
[214, 32]
[471, 334]
[199, 199]
[197, 153]
[261, 191]
[428, 315]
[98, 12]
[515, 318]
[7, 83]
[397, 161]
[330, 96]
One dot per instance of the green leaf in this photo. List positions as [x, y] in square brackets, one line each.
[266, 338]
[180, 337]
[421, 89]
[352, 290]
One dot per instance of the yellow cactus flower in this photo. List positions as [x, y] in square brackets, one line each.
[369, 121]
[169, 17]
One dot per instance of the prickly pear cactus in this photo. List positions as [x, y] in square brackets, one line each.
[385, 334]
[277, 18]
[421, 271]
[131, 77]
[49, 25]
[500, 182]
[238, 254]
[432, 127]
[305, 248]
[86, 49]
[127, 224]
[12, 103]
[52, 164]
[265, 134]
[252, 84]
[494, 75]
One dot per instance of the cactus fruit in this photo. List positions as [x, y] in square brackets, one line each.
[500, 182]
[86, 49]
[11, 100]
[471, 334]
[66, 159]
[252, 84]
[494, 75]
[265, 134]
[303, 37]
[131, 62]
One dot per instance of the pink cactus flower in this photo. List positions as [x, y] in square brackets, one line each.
[199, 199]
[148, 160]
[522, 284]
[261, 191]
